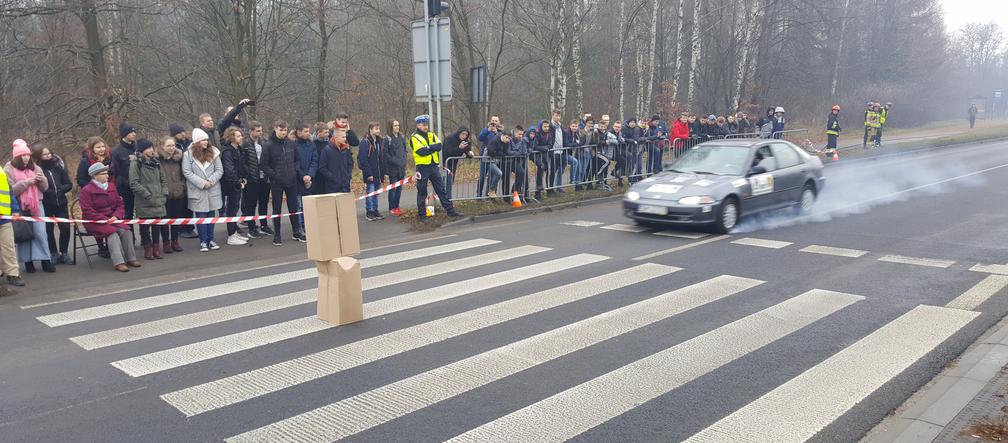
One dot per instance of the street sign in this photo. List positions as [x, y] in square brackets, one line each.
[438, 53]
[477, 76]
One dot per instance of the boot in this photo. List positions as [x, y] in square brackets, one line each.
[156, 251]
[29, 267]
[166, 246]
[48, 266]
[148, 252]
[176, 246]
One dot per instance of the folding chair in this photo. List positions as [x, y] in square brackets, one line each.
[80, 235]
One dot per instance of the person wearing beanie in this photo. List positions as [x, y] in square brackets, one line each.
[202, 168]
[55, 202]
[149, 186]
[120, 165]
[28, 184]
[178, 133]
[99, 200]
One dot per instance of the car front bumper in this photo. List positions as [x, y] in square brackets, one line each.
[675, 213]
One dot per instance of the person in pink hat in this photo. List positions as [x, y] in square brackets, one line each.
[28, 184]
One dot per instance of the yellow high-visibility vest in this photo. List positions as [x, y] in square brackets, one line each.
[5, 195]
[417, 142]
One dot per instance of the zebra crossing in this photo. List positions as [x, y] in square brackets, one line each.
[507, 284]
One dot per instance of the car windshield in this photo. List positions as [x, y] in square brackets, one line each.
[713, 159]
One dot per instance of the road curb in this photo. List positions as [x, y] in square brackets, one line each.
[530, 211]
[923, 416]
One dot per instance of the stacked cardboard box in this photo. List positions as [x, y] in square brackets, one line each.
[333, 239]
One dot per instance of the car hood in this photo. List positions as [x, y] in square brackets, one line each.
[673, 186]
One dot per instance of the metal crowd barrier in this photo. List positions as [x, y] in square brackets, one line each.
[796, 136]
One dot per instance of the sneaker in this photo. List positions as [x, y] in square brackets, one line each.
[253, 233]
[277, 241]
[203, 247]
[15, 280]
[266, 229]
[370, 216]
[189, 234]
[300, 236]
[213, 246]
[236, 240]
[378, 215]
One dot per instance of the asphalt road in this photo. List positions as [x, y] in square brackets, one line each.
[567, 325]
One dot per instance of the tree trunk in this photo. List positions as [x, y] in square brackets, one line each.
[649, 86]
[678, 51]
[747, 50]
[839, 53]
[695, 57]
[622, 48]
[576, 61]
[96, 53]
[320, 90]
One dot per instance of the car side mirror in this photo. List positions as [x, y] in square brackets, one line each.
[756, 170]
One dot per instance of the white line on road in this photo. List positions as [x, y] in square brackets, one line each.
[625, 228]
[582, 223]
[681, 248]
[683, 234]
[567, 415]
[928, 262]
[978, 294]
[242, 341]
[189, 321]
[803, 406]
[761, 243]
[990, 269]
[240, 387]
[369, 409]
[129, 306]
[839, 252]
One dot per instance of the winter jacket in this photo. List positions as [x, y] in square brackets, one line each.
[171, 166]
[497, 147]
[612, 139]
[732, 128]
[149, 186]
[308, 160]
[454, 147]
[234, 170]
[745, 126]
[99, 204]
[59, 182]
[120, 164]
[543, 140]
[18, 188]
[395, 156]
[229, 120]
[680, 131]
[519, 148]
[253, 172]
[369, 156]
[203, 200]
[281, 162]
[695, 129]
[336, 169]
[484, 136]
[571, 139]
[833, 124]
[778, 125]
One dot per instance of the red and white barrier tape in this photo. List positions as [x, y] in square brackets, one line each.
[391, 186]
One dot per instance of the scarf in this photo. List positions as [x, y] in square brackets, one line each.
[100, 185]
[31, 196]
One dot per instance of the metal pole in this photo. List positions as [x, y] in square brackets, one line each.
[437, 55]
[430, 91]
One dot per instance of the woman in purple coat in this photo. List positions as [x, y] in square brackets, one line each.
[99, 200]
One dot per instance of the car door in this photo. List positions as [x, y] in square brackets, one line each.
[762, 185]
[790, 174]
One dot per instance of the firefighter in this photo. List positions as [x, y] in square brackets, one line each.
[426, 147]
[873, 121]
[867, 127]
[833, 129]
[883, 113]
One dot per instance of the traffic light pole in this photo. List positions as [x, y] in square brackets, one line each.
[430, 73]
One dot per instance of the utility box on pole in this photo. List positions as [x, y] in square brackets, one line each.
[439, 78]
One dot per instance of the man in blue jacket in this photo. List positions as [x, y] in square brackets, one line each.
[308, 158]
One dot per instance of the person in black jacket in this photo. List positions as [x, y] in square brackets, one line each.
[369, 157]
[233, 181]
[120, 165]
[394, 159]
[231, 118]
[497, 149]
[336, 164]
[257, 187]
[282, 166]
[54, 201]
[342, 121]
[456, 145]
[321, 141]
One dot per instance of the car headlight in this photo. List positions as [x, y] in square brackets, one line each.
[697, 200]
[633, 196]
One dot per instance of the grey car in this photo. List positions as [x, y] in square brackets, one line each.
[716, 183]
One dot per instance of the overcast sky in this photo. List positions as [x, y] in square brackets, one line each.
[961, 12]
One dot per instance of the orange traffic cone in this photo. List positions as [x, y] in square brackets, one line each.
[836, 155]
[515, 201]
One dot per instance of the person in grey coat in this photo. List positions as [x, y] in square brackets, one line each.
[202, 168]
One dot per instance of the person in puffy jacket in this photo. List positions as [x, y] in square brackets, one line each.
[255, 196]
[95, 151]
[456, 145]
[99, 200]
[369, 157]
[233, 181]
[55, 202]
[28, 184]
[176, 205]
[336, 164]
[150, 192]
[518, 151]
[282, 165]
[394, 159]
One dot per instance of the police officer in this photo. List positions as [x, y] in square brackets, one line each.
[426, 147]
[833, 128]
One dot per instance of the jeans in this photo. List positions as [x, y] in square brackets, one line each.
[495, 175]
[395, 194]
[560, 161]
[482, 178]
[128, 202]
[205, 231]
[370, 203]
[232, 201]
[654, 159]
[255, 196]
[291, 192]
[451, 167]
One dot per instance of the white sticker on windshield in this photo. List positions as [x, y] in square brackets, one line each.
[664, 189]
[703, 183]
[680, 179]
[761, 184]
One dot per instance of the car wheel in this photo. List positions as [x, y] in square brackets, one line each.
[806, 201]
[728, 217]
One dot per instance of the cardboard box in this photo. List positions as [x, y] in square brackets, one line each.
[331, 226]
[340, 295]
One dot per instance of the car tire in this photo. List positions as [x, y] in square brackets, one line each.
[728, 216]
[806, 200]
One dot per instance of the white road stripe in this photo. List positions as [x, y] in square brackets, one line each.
[189, 321]
[228, 344]
[625, 228]
[762, 243]
[237, 388]
[803, 406]
[990, 269]
[567, 414]
[978, 294]
[582, 223]
[681, 248]
[129, 306]
[929, 262]
[839, 252]
[682, 234]
[388, 402]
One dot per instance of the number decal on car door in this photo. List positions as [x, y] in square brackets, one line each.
[761, 184]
